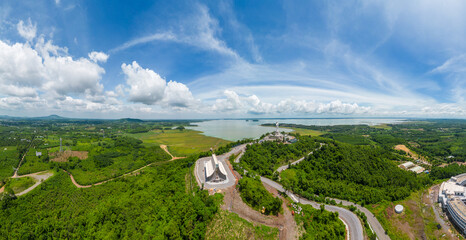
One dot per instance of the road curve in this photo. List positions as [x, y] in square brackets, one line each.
[371, 219]
[351, 220]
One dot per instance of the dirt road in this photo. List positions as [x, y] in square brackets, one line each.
[165, 148]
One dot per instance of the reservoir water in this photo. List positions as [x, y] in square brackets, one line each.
[238, 129]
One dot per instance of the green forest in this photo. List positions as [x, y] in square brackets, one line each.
[255, 195]
[320, 224]
[364, 174]
[264, 158]
[153, 204]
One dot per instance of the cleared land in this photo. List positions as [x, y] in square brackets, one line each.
[411, 154]
[180, 143]
[417, 221]
[309, 132]
[63, 156]
[228, 225]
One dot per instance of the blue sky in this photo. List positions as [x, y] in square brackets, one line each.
[209, 59]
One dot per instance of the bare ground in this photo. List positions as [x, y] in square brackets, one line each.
[284, 222]
[63, 156]
[411, 154]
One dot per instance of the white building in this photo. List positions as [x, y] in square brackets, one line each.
[214, 170]
[452, 196]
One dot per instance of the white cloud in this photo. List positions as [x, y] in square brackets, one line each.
[20, 64]
[199, 30]
[27, 30]
[178, 95]
[148, 87]
[233, 103]
[27, 70]
[166, 36]
[98, 56]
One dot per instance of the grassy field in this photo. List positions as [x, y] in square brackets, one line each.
[227, 225]
[180, 143]
[8, 161]
[309, 132]
[382, 126]
[417, 221]
[20, 184]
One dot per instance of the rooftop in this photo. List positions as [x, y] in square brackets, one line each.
[459, 206]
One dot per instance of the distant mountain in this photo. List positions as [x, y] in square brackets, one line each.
[52, 117]
[130, 120]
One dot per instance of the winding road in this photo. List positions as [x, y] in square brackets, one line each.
[350, 219]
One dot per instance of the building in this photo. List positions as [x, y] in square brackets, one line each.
[38, 154]
[417, 169]
[407, 165]
[452, 196]
[214, 170]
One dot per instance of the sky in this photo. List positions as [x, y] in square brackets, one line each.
[233, 59]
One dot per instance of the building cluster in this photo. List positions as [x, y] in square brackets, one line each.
[277, 136]
[412, 167]
[452, 198]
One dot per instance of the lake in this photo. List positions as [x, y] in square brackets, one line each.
[234, 130]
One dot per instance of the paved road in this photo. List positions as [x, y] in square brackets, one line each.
[371, 219]
[351, 220]
[284, 167]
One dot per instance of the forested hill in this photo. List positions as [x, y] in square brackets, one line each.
[363, 174]
[152, 205]
[264, 158]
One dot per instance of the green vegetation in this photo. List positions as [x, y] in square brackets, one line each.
[255, 195]
[264, 158]
[33, 163]
[112, 157]
[438, 140]
[227, 225]
[18, 185]
[362, 174]
[306, 132]
[447, 171]
[320, 224]
[180, 142]
[151, 205]
[9, 159]
[416, 221]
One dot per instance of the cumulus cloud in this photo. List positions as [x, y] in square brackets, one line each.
[148, 87]
[43, 75]
[98, 57]
[27, 30]
[234, 103]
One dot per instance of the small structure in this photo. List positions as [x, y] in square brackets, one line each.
[417, 169]
[38, 154]
[407, 165]
[399, 208]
